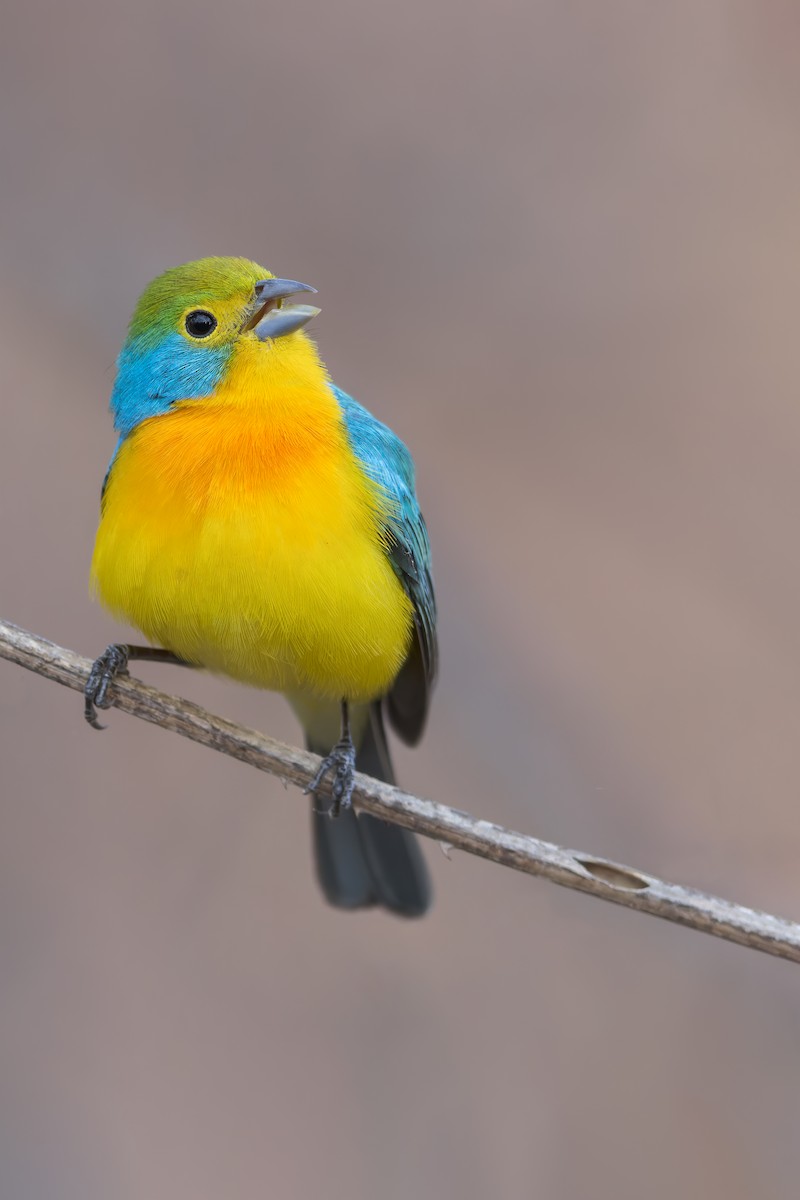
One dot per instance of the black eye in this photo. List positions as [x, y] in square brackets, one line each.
[199, 323]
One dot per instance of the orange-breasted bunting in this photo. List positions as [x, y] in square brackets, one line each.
[258, 522]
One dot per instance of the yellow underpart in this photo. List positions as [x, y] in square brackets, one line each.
[241, 533]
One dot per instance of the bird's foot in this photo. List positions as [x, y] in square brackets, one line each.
[111, 663]
[342, 762]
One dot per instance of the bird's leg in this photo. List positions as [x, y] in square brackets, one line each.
[342, 761]
[111, 663]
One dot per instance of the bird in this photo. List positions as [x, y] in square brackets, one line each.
[256, 521]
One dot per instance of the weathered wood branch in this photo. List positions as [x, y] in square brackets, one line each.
[570, 868]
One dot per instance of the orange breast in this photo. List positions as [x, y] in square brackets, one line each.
[254, 547]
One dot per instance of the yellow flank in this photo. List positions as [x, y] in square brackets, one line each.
[240, 532]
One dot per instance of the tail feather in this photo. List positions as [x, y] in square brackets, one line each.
[363, 861]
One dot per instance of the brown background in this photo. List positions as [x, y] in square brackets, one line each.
[557, 248]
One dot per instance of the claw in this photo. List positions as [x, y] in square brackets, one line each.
[111, 663]
[342, 761]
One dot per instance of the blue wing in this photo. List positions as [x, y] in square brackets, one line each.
[386, 460]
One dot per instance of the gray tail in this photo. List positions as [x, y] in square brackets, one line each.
[363, 861]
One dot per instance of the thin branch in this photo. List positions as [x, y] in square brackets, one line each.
[570, 868]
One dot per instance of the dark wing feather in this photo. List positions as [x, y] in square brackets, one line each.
[107, 476]
[407, 702]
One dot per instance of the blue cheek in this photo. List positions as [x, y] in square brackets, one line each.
[149, 382]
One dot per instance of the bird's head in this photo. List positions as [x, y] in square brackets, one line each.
[188, 324]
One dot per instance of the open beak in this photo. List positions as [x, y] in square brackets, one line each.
[271, 318]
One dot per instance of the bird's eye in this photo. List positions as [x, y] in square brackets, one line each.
[199, 323]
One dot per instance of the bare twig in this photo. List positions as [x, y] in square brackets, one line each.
[570, 868]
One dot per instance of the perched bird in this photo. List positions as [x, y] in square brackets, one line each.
[258, 522]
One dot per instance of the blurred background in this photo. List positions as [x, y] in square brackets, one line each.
[557, 249]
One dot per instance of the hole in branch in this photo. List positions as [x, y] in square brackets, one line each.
[614, 876]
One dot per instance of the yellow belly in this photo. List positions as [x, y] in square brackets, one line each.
[255, 555]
